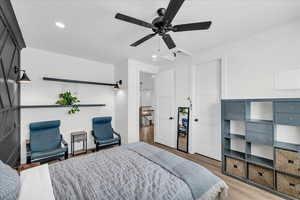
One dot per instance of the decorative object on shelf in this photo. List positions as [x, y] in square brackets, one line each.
[79, 136]
[24, 78]
[115, 85]
[67, 99]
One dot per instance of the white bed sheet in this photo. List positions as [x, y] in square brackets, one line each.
[36, 184]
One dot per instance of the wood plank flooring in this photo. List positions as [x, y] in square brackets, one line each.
[237, 190]
[147, 134]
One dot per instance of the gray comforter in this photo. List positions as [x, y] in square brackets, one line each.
[131, 172]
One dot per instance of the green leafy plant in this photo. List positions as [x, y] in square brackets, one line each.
[67, 99]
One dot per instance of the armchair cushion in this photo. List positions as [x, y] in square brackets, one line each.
[45, 136]
[109, 141]
[102, 128]
[38, 155]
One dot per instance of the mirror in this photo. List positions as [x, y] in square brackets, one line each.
[183, 128]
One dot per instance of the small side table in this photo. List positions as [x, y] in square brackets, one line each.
[79, 136]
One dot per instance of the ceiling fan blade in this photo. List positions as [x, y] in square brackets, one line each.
[133, 20]
[192, 26]
[147, 37]
[169, 41]
[172, 10]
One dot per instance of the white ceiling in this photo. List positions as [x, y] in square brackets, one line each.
[92, 32]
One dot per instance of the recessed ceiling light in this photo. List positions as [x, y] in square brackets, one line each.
[154, 56]
[60, 24]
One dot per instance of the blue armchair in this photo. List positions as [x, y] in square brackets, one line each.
[45, 142]
[103, 133]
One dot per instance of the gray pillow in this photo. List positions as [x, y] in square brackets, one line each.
[9, 182]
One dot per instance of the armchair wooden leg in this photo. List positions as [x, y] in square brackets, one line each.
[97, 147]
[28, 160]
[66, 155]
[119, 142]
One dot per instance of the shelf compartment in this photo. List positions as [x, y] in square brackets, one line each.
[261, 175]
[287, 107]
[289, 119]
[287, 161]
[234, 110]
[234, 154]
[287, 146]
[234, 136]
[260, 121]
[236, 167]
[260, 161]
[259, 133]
[286, 173]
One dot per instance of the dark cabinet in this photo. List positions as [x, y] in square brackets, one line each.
[11, 43]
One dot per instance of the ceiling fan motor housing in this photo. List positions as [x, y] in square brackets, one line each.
[159, 23]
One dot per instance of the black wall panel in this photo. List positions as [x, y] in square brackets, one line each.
[11, 43]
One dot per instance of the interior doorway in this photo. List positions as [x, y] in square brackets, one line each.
[147, 107]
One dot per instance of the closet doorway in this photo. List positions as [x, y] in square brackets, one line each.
[165, 126]
[147, 107]
[207, 109]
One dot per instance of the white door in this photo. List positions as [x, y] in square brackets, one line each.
[165, 113]
[207, 113]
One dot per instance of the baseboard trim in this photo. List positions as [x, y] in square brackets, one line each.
[213, 161]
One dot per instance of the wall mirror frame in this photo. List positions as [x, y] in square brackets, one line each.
[183, 122]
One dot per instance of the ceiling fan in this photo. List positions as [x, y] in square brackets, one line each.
[162, 24]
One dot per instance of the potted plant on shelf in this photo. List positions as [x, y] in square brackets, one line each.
[67, 99]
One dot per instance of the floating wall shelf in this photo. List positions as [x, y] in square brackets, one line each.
[77, 81]
[60, 106]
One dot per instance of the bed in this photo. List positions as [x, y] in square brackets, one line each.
[134, 171]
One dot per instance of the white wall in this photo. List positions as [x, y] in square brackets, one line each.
[182, 67]
[253, 64]
[121, 100]
[40, 63]
[251, 68]
[147, 92]
[128, 98]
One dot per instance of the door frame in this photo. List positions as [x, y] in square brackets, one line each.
[224, 92]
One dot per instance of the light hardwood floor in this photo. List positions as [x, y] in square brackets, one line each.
[147, 134]
[237, 189]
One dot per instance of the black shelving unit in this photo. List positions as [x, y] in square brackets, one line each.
[259, 132]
